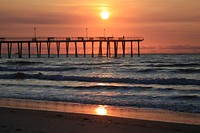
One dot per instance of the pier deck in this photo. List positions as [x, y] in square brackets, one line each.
[39, 41]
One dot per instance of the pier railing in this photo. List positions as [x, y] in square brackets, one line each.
[5, 39]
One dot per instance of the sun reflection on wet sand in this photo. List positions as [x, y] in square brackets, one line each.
[124, 112]
[101, 84]
[101, 110]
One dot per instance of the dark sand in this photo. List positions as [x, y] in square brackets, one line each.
[26, 116]
[32, 121]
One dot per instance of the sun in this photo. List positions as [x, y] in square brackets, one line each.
[105, 15]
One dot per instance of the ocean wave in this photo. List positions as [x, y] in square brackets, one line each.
[89, 63]
[176, 65]
[22, 63]
[140, 102]
[188, 91]
[155, 61]
[148, 70]
[181, 71]
[186, 71]
[186, 97]
[166, 89]
[160, 81]
[53, 69]
[163, 70]
[107, 88]
[92, 87]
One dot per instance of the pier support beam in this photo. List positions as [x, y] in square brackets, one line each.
[100, 49]
[39, 49]
[123, 48]
[67, 49]
[131, 48]
[84, 48]
[9, 49]
[0, 49]
[58, 49]
[138, 48]
[76, 50]
[19, 50]
[49, 48]
[92, 49]
[108, 49]
[115, 48]
[29, 49]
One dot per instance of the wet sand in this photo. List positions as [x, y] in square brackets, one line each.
[32, 121]
[19, 116]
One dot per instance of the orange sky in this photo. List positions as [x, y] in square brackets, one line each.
[171, 26]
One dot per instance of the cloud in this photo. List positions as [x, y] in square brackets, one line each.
[183, 47]
[42, 18]
[156, 11]
[148, 47]
[159, 18]
[180, 48]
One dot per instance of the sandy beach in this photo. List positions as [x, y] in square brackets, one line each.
[31, 121]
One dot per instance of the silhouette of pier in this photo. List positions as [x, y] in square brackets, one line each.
[27, 42]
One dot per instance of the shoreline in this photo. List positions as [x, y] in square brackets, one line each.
[38, 121]
[111, 111]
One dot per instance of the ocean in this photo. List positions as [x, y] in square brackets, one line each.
[168, 82]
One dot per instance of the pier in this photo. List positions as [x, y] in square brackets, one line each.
[27, 42]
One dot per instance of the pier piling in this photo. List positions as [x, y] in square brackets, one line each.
[92, 49]
[39, 49]
[48, 48]
[9, 49]
[67, 49]
[58, 49]
[76, 50]
[138, 48]
[115, 48]
[100, 49]
[108, 49]
[19, 50]
[0, 49]
[123, 48]
[131, 49]
[84, 48]
[29, 49]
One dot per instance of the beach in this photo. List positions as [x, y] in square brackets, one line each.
[32, 121]
[28, 116]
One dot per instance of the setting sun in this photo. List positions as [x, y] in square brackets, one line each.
[105, 15]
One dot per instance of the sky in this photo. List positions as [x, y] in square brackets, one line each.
[171, 26]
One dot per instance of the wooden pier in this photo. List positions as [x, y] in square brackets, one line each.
[58, 41]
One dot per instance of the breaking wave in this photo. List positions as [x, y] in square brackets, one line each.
[160, 81]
